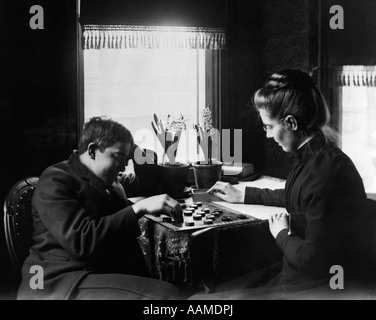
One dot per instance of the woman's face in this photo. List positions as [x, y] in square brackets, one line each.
[281, 130]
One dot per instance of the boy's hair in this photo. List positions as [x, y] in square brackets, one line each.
[104, 132]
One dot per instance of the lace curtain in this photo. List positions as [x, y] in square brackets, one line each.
[138, 37]
[355, 76]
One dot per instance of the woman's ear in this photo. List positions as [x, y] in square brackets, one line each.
[91, 150]
[292, 123]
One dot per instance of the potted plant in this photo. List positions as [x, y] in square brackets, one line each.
[207, 171]
[173, 174]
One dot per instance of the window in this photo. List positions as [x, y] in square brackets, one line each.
[356, 90]
[133, 73]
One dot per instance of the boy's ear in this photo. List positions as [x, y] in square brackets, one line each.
[91, 150]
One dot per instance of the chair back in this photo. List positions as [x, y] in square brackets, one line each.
[372, 222]
[18, 221]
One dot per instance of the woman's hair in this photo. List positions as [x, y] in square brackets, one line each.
[104, 132]
[293, 92]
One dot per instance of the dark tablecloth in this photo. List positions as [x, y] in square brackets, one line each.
[204, 259]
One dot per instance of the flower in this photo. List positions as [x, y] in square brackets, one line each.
[206, 116]
[206, 134]
[175, 124]
[168, 132]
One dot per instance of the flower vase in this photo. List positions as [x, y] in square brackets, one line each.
[206, 175]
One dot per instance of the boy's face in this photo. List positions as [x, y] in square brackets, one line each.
[111, 161]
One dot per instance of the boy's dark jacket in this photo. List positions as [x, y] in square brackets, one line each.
[79, 228]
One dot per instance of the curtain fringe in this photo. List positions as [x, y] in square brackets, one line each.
[137, 37]
[362, 76]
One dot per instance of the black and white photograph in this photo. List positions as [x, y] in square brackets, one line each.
[191, 154]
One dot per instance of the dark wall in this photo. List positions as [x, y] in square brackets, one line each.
[245, 70]
[355, 44]
[188, 13]
[266, 36]
[287, 46]
[38, 85]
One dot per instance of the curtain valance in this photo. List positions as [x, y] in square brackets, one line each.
[355, 76]
[149, 37]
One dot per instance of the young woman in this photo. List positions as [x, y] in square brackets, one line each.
[324, 193]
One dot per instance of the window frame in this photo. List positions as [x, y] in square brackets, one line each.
[215, 86]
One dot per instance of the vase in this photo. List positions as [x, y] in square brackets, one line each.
[173, 178]
[206, 175]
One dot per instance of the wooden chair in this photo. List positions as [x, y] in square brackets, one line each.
[18, 221]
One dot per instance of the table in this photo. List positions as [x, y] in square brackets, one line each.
[207, 257]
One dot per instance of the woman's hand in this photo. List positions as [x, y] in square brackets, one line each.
[227, 192]
[277, 223]
[159, 204]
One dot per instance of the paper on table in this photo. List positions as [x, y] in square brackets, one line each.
[263, 182]
[257, 211]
